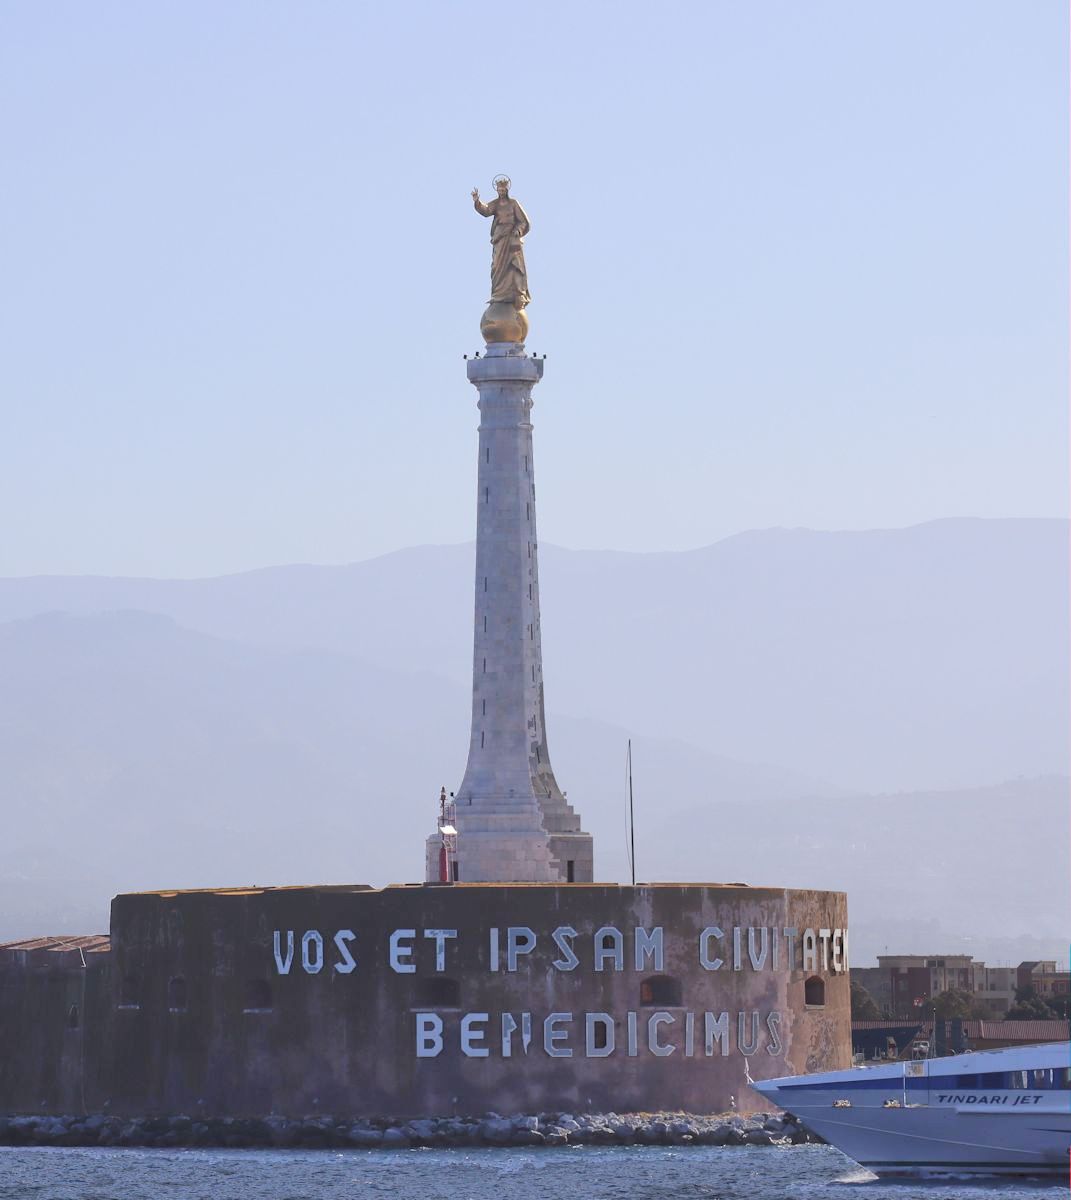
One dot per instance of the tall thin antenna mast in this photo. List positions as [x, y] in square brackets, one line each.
[631, 818]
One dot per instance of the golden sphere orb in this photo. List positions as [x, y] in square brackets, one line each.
[503, 323]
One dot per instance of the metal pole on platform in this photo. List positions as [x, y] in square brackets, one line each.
[631, 817]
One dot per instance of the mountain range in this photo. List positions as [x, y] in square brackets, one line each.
[883, 712]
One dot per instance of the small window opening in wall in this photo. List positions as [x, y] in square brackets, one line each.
[482, 736]
[72, 1017]
[570, 871]
[487, 454]
[529, 549]
[533, 674]
[538, 759]
[485, 624]
[529, 591]
[485, 666]
[437, 992]
[814, 992]
[528, 511]
[176, 994]
[485, 583]
[486, 495]
[257, 996]
[526, 464]
[130, 991]
[484, 711]
[660, 991]
[598, 1038]
[453, 870]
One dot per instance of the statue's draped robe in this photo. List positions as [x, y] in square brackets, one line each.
[509, 277]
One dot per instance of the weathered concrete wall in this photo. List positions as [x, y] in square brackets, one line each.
[342, 1039]
[53, 1006]
[256, 1027]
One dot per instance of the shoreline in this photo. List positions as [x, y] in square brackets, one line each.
[546, 1129]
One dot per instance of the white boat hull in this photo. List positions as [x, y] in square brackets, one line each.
[996, 1112]
[913, 1141]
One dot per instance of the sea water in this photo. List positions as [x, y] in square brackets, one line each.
[575, 1173]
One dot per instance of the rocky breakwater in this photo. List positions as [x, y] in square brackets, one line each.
[322, 1132]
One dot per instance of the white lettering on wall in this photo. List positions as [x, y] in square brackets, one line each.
[471, 1037]
[347, 963]
[650, 945]
[519, 940]
[823, 937]
[440, 936]
[399, 954]
[594, 1034]
[609, 946]
[838, 951]
[552, 1035]
[706, 961]
[563, 939]
[508, 1026]
[790, 932]
[747, 1042]
[738, 957]
[758, 959]
[810, 951]
[312, 962]
[773, 1024]
[282, 964]
[716, 1029]
[429, 1035]
[592, 1019]
[492, 949]
[660, 1049]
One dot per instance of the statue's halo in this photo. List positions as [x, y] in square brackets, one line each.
[503, 179]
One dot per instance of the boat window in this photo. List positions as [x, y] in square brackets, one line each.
[1018, 1080]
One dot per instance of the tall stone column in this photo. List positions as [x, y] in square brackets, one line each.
[513, 823]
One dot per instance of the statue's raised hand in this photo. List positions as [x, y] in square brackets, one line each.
[475, 193]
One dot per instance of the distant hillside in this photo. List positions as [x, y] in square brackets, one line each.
[929, 657]
[135, 753]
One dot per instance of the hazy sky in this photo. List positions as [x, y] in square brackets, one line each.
[791, 264]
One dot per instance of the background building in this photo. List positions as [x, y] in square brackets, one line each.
[904, 985]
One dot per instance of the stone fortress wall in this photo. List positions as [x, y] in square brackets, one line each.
[430, 1000]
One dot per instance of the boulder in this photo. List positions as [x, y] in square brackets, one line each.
[758, 1137]
[364, 1137]
[496, 1132]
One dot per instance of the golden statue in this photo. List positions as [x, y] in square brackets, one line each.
[505, 320]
